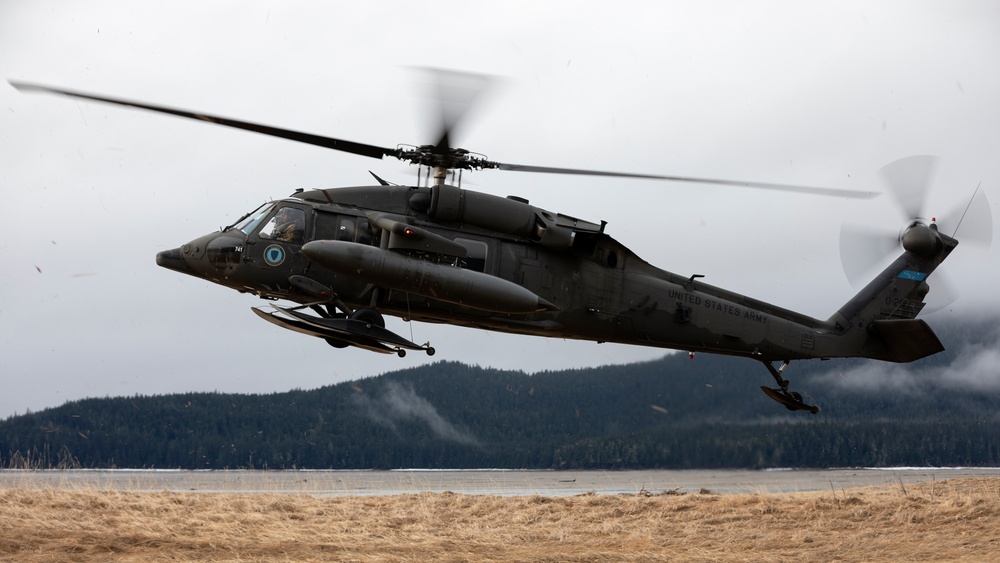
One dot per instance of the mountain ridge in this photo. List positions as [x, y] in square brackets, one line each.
[673, 412]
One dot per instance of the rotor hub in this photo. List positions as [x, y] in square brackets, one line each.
[921, 239]
[448, 158]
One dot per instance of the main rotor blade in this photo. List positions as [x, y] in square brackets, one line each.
[460, 97]
[308, 138]
[454, 93]
[833, 192]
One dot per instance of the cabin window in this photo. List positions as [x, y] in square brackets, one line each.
[326, 225]
[475, 258]
[330, 226]
[354, 229]
[346, 229]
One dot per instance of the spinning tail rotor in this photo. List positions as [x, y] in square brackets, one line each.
[864, 249]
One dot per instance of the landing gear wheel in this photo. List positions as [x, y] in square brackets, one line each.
[370, 317]
[791, 400]
[430, 351]
[337, 343]
[401, 353]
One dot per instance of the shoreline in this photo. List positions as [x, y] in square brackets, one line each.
[500, 482]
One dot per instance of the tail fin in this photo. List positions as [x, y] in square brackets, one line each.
[880, 321]
[906, 340]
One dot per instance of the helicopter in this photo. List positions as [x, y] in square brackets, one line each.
[347, 257]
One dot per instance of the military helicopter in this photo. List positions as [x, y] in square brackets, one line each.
[437, 253]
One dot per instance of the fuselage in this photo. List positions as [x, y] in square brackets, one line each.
[446, 255]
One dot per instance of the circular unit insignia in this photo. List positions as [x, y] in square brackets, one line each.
[274, 255]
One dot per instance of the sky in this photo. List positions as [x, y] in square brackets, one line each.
[784, 92]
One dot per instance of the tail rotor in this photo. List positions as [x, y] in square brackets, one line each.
[864, 249]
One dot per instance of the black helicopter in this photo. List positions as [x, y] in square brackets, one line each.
[438, 253]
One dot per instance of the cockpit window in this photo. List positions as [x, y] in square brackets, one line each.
[287, 225]
[250, 221]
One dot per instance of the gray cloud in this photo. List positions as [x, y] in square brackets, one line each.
[974, 367]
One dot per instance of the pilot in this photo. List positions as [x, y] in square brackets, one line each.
[289, 224]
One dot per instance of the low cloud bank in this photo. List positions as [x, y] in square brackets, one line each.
[973, 366]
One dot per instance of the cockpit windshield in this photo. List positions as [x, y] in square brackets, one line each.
[250, 221]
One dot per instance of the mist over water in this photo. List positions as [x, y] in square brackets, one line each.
[399, 402]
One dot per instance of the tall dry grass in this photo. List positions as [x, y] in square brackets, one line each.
[954, 520]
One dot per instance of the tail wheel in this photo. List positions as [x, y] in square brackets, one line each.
[370, 317]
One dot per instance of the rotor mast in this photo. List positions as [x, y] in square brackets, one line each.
[440, 173]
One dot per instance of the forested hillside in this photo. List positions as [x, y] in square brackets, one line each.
[670, 413]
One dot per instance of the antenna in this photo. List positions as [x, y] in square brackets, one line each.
[962, 218]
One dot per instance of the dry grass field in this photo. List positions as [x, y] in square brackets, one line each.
[954, 520]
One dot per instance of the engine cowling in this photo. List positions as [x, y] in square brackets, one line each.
[511, 215]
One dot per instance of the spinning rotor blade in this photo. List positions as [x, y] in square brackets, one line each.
[908, 180]
[942, 293]
[308, 138]
[970, 222]
[760, 185]
[456, 93]
[863, 249]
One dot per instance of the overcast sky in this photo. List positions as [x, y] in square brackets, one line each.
[784, 92]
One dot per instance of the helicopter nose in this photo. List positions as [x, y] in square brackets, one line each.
[174, 260]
